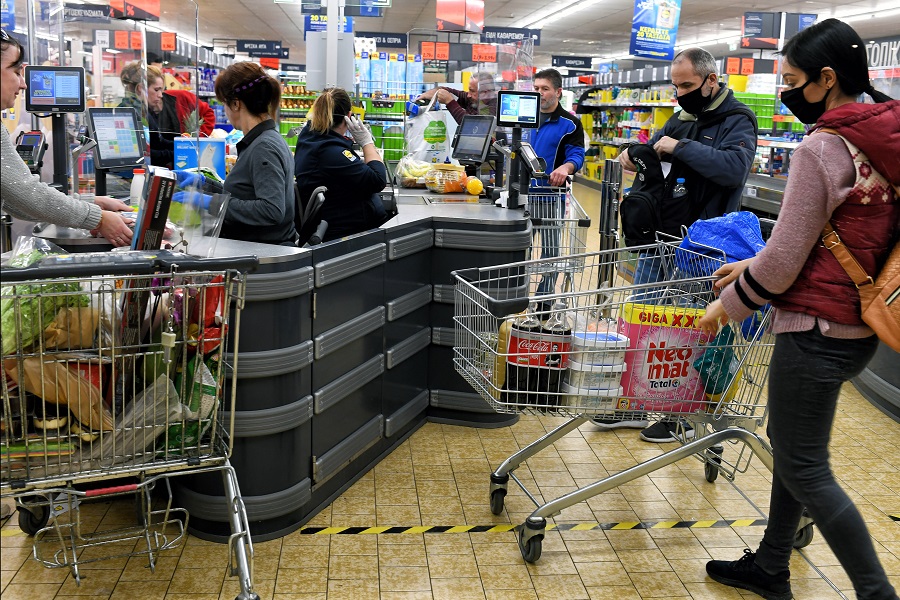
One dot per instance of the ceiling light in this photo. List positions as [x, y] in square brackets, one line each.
[546, 17]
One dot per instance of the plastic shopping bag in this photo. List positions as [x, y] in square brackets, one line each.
[429, 136]
[718, 366]
[734, 236]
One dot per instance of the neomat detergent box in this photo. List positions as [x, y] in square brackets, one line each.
[664, 342]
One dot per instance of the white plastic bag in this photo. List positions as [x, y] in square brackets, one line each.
[429, 135]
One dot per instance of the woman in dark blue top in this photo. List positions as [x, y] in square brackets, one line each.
[324, 156]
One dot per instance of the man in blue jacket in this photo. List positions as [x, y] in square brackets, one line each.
[559, 140]
[713, 155]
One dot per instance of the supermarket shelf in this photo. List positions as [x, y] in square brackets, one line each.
[629, 105]
[294, 110]
[306, 97]
[767, 143]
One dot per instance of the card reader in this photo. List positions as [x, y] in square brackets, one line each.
[31, 146]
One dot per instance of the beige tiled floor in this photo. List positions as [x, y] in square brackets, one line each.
[439, 476]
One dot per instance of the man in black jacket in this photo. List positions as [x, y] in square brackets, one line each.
[714, 160]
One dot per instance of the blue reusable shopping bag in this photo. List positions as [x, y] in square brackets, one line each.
[736, 235]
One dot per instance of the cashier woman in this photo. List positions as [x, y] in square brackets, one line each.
[22, 194]
[325, 156]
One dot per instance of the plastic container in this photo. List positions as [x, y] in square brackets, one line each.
[137, 188]
[590, 399]
[594, 377]
[598, 347]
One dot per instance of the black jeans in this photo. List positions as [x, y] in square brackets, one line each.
[805, 379]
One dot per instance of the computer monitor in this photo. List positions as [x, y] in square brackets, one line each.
[473, 139]
[54, 89]
[518, 109]
[119, 136]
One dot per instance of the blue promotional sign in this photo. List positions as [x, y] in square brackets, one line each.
[502, 35]
[384, 39]
[8, 14]
[654, 28]
[320, 23]
[260, 48]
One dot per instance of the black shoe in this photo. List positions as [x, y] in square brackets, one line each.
[666, 431]
[744, 574]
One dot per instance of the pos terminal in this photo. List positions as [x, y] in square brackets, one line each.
[519, 110]
[31, 147]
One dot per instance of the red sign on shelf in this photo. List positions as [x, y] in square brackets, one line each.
[733, 65]
[120, 41]
[427, 50]
[746, 66]
[269, 63]
[442, 51]
[137, 40]
[167, 41]
[484, 53]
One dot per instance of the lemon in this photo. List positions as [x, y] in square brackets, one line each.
[474, 186]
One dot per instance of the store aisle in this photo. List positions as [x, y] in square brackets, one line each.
[439, 477]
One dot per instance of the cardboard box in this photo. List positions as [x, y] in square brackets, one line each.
[212, 154]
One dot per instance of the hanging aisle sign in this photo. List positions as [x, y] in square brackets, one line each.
[260, 48]
[501, 35]
[572, 62]
[384, 39]
[73, 11]
[654, 27]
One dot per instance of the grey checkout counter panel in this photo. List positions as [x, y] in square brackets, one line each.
[880, 381]
[345, 349]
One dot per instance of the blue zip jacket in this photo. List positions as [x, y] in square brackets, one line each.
[559, 140]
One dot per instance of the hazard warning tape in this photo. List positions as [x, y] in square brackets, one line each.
[550, 526]
[895, 517]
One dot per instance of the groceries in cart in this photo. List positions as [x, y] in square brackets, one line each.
[75, 393]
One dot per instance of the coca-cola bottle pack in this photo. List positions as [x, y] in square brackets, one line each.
[557, 333]
[521, 373]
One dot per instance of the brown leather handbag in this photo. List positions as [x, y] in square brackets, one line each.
[879, 297]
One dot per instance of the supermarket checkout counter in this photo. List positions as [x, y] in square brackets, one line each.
[345, 349]
[880, 381]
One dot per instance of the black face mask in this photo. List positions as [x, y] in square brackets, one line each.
[694, 102]
[807, 112]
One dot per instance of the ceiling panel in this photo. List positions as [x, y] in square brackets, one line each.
[600, 30]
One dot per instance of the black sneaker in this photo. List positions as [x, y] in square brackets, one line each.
[610, 424]
[664, 431]
[744, 574]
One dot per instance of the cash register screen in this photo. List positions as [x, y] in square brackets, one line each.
[54, 89]
[473, 138]
[518, 109]
[119, 136]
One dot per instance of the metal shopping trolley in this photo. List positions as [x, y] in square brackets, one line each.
[559, 231]
[618, 350]
[114, 369]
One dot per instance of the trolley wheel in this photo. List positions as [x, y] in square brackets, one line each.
[497, 498]
[803, 537]
[33, 519]
[713, 460]
[531, 551]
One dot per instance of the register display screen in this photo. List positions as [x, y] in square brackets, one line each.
[473, 138]
[54, 89]
[119, 136]
[518, 109]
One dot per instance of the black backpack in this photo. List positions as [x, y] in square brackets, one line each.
[650, 206]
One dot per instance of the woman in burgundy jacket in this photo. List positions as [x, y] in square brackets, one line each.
[848, 175]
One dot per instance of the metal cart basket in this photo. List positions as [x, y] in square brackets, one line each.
[559, 231]
[113, 383]
[617, 350]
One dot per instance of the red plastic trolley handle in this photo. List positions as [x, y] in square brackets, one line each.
[119, 489]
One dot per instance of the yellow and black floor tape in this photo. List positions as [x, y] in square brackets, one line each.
[550, 526]
[895, 517]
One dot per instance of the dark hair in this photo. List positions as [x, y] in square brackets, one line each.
[833, 43]
[551, 75]
[249, 83]
[8, 41]
[153, 57]
[329, 110]
[703, 63]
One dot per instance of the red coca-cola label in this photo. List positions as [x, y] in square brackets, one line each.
[539, 350]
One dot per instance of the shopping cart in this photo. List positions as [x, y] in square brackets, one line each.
[119, 360]
[559, 231]
[619, 351]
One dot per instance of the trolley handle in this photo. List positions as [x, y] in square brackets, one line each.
[139, 262]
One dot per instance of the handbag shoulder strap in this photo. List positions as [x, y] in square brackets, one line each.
[833, 242]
